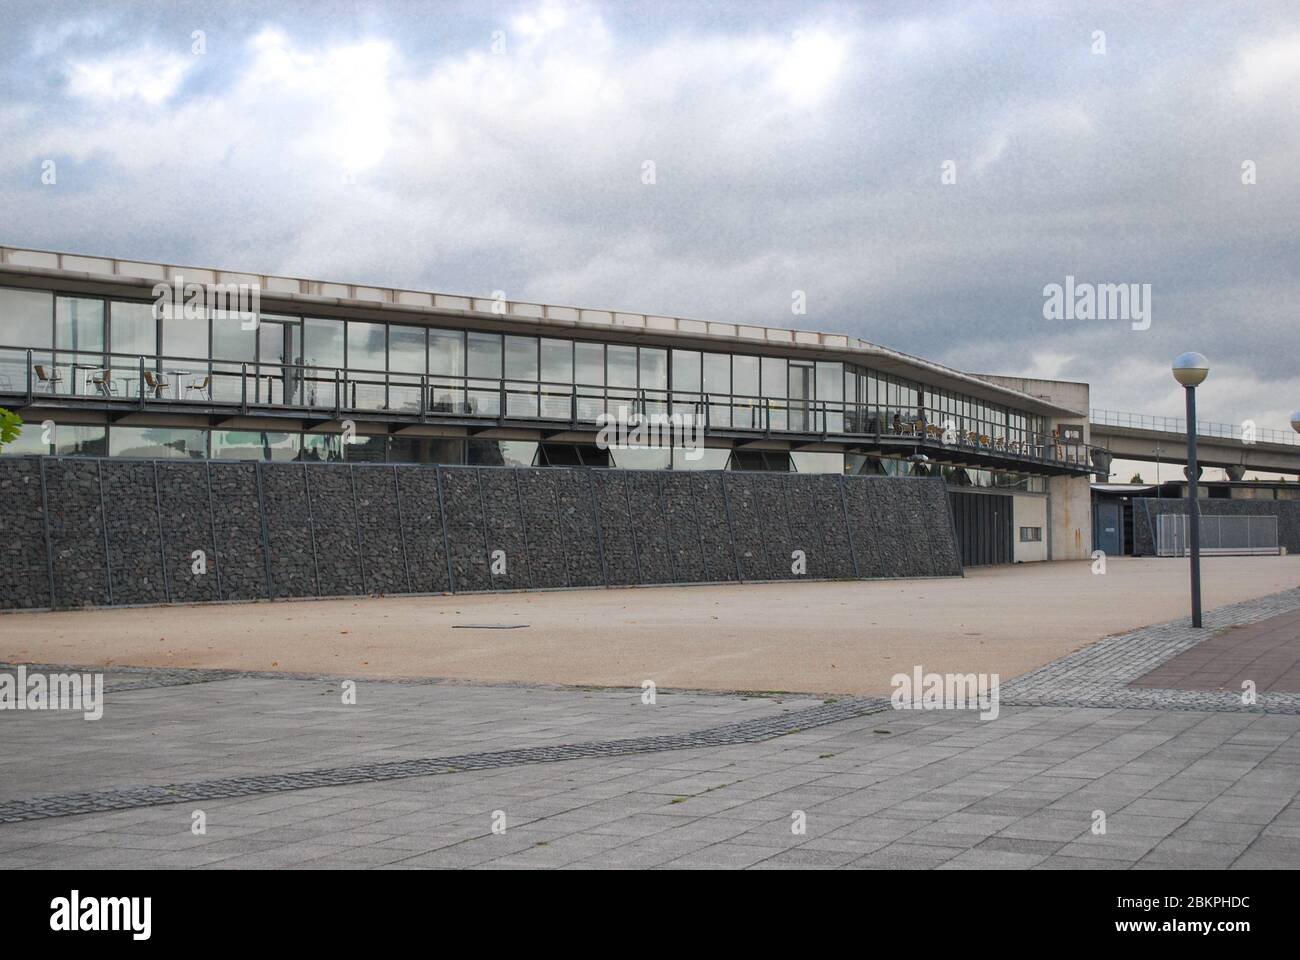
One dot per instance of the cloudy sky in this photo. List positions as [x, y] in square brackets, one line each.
[471, 147]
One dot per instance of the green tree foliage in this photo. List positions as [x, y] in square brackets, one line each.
[10, 426]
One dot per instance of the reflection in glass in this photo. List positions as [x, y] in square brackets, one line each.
[484, 360]
[254, 445]
[446, 368]
[557, 376]
[157, 443]
[589, 378]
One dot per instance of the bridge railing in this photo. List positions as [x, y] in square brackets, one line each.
[1204, 428]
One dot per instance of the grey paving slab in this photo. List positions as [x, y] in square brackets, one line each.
[412, 777]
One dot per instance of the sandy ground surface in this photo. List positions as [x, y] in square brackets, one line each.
[846, 638]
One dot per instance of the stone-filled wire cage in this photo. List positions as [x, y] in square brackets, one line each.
[79, 531]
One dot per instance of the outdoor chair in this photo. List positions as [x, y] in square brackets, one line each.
[157, 382]
[49, 377]
[103, 379]
[201, 386]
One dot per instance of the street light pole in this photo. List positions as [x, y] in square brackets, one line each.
[1191, 369]
[1193, 504]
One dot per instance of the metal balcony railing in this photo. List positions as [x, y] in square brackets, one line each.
[190, 383]
[1204, 428]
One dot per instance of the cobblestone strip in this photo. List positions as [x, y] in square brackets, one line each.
[119, 678]
[746, 731]
[1098, 675]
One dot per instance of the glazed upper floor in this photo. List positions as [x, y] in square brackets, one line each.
[94, 329]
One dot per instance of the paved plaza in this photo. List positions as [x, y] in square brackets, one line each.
[421, 774]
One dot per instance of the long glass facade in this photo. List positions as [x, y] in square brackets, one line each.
[118, 349]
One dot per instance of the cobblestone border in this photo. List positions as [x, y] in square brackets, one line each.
[1099, 674]
[745, 731]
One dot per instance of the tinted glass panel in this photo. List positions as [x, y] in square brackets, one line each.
[406, 349]
[25, 317]
[365, 346]
[485, 355]
[79, 324]
[521, 358]
[447, 352]
[133, 328]
[621, 365]
[686, 370]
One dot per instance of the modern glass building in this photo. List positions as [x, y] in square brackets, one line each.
[334, 371]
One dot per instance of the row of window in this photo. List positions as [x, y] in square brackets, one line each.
[95, 344]
[162, 443]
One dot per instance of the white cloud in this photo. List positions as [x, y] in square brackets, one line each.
[145, 74]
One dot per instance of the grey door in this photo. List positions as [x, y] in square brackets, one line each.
[1108, 530]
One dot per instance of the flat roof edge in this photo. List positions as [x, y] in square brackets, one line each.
[130, 272]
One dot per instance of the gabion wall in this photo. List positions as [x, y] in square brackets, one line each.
[101, 532]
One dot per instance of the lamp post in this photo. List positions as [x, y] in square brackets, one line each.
[1191, 369]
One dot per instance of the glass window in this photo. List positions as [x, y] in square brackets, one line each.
[79, 325]
[502, 453]
[133, 329]
[744, 376]
[557, 361]
[686, 371]
[589, 375]
[774, 377]
[484, 360]
[746, 412]
[157, 443]
[485, 355]
[230, 341]
[425, 450]
[654, 369]
[25, 317]
[521, 371]
[589, 361]
[406, 349]
[622, 366]
[521, 358]
[79, 441]
[366, 346]
[28, 443]
[717, 373]
[366, 386]
[322, 354]
[805, 462]
[366, 449]
[641, 458]
[185, 339]
[321, 446]
[255, 445]
[557, 375]
[324, 343]
[700, 458]
[446, 366]
[447, 353]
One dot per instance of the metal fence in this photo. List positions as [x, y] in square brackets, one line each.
[1220, 535]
